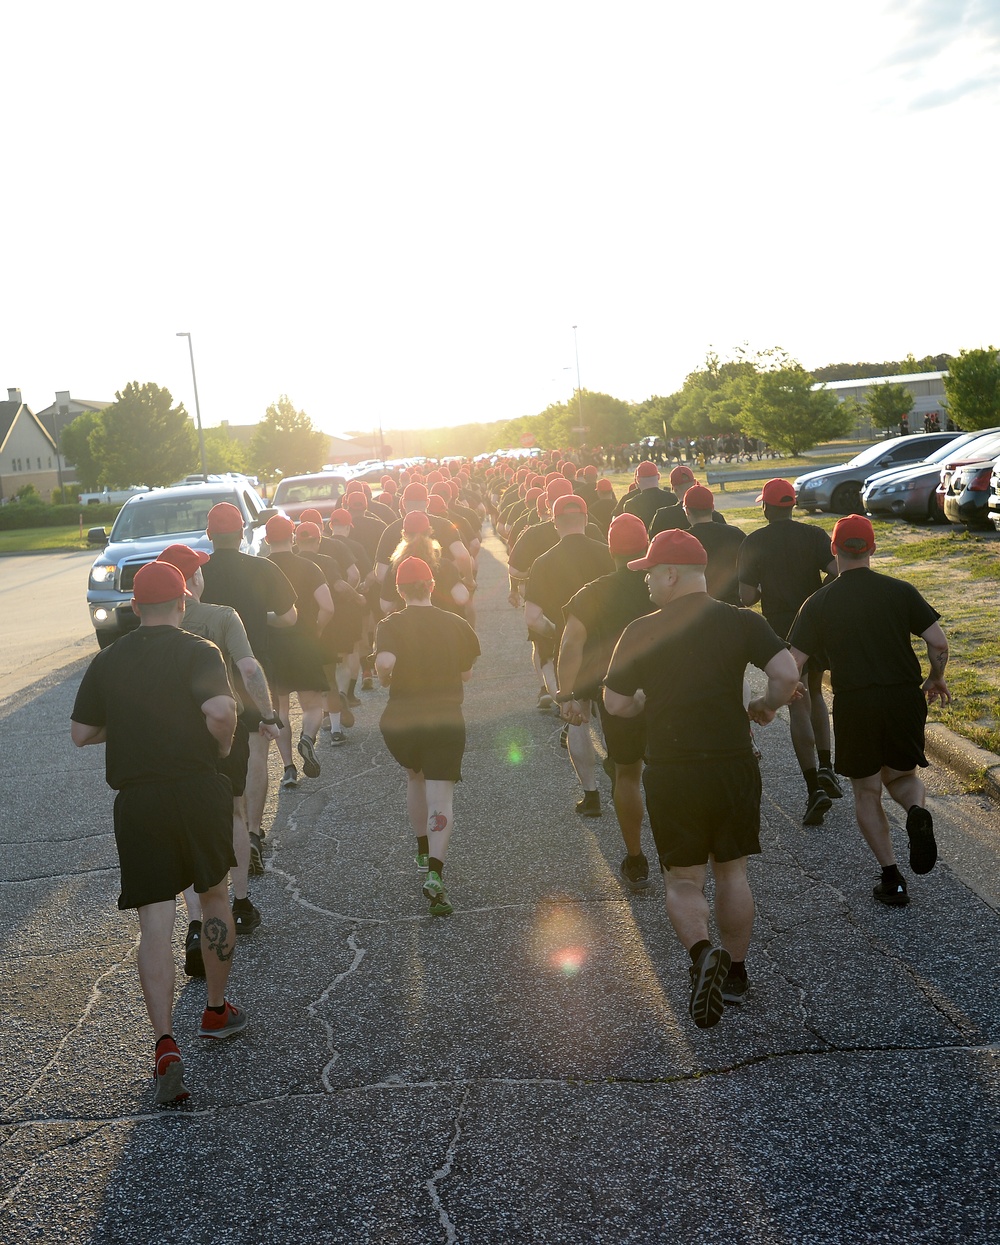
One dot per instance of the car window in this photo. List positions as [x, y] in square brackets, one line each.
[329, 488]
[166, 516]
[251, 504]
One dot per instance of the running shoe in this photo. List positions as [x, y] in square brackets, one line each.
[352, 701]
[564, 737]
[590, 805]
[734, 990]
[818, 804]
[194, 965]
[435, 892]
[366, 683]
[169, 1075]
[246, 917]
[635, 874]
[337, 738]
[291, 778]
[545, 701]
[325, 724]
[310, 766]
[707, 976]
[256, 855]
[346, 716]
[828, 782]
[893, 894]
[923, 846]
[227, 1024]
[421, 861]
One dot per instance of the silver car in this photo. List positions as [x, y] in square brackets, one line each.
[911, 492]
[839, 488]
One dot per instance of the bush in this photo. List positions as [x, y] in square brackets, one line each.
[35, 513]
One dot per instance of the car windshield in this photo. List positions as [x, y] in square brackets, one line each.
[166, 516]
[295, 492]
[873, 452]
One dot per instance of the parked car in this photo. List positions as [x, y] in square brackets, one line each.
[993, 504]
[145, 526]
[839, 488]
[110, 497]
[320, 491]
[910, 492]
[964, 491]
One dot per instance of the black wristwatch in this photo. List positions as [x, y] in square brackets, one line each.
[275, 721]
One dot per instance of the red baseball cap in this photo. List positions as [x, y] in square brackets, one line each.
[590, 472]
[354, 486]
[646, 469]
[356, 501]
[698, 497]
[415, 492]
[311, 516]
[340, 518]
[416, 522]
[279, 529]
[672, 548]
[413, 571]
[567, 504]
[778, 493]
[627, 534]
[679, 475]
[854, 534]
[308, 531]
[558, 488]
[437, 506]
[389, 486]
[186, 559]
[157, 582]
[224, 517]
[605, 486]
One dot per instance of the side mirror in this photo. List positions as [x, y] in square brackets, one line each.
[97, 536]
[264, 515]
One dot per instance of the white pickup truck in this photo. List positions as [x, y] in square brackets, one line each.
[111, 497]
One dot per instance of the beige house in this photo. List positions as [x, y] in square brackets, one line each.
[56, 417]
[27, 450]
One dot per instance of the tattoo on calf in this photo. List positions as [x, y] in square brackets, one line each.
[216, 937]
[438, 821]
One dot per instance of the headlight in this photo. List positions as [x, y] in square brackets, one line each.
[102, 574]
[818, 482]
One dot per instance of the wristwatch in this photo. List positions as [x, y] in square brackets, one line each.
[272, 721]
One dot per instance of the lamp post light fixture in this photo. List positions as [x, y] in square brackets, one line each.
[197, 410]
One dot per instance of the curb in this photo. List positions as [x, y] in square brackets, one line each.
[963, 757]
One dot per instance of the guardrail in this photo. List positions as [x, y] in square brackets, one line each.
[722, 478]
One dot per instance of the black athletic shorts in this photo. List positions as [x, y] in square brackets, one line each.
[625, 738]
[172, 835]
[296, 665]
[876, 726]
[235, 765]
[704, 806]
[435, 751]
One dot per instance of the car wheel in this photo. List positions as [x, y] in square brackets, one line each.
[934, 514]
[846, 500]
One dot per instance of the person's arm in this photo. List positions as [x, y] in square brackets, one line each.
[220, 718]
[574, 637]
[782, 683]
[536, 620]
[82, 734]
[749, 594]
[620, 706]
[322, 597]
[935, 688]
[831, 571]
[460, 594]
[258, 691]
[282, 620]
[384, 666]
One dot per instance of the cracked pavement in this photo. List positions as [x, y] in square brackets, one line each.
[522, 1071]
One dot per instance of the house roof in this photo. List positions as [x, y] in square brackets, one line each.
[8, 414]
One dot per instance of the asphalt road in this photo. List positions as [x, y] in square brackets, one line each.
[523, 1071]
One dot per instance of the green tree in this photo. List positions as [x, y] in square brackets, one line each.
[780, 406]
[142, 439]
[886, 405]
[605, 420]
[655, 416]
[223, 452]
[710, 402]
[286, 442]
[76, 450]
[973, 389]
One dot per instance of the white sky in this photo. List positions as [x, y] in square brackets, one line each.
[402, 209]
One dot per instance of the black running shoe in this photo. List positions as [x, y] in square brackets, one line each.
[893, 894]
[246, 917]
[828, 782]
[707, 976]
[256, 856]
[635, 874]
[923, 846]
[310, 766]
[291, 778]
[734, 990]
[590, 805]
[194, 965]
[818, 804]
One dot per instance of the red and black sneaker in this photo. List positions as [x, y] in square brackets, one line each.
[169, 1074]
[225, 1024]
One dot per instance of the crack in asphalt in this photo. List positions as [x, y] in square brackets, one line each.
[444, 1171]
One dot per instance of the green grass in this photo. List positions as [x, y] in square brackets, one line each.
[42, 539]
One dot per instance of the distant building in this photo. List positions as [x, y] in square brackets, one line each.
[927, 389]
[27, 450]
[55, 418]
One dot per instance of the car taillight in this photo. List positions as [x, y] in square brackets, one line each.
[980, 482]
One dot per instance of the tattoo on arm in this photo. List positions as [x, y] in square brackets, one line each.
[216, 936]
[256, 685]
[937, 655]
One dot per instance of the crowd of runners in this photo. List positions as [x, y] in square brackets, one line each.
[637, 621]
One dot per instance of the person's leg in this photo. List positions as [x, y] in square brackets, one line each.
[800, 724]
[734, 908]
[629, 805]
[872, 821]
[311, 704]
[256, 789]
[156, 963]
[440, 818]
[218, 940]
[907, 789]
[819, 715]
[241, 847]
[905, 786]
[284, 740]
[416, 803]
[687, 907]
[581, 752]
[193, 904]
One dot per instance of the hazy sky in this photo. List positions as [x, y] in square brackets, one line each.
[403, 209]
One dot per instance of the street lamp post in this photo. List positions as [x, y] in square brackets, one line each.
[197, 409]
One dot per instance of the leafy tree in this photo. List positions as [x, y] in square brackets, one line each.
[76, 449]
[286, 442]
[223, 452]
[142, 439]
[607, 420]
[890, 367]
[655, 417]
[780, 406]
[973, 389]
[886, 405]
[710, 401]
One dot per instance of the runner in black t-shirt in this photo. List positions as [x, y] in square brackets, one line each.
[447, 535]
[648, 496]
[595, 617]
[780, 565]
[160, 699]
[425, 656]
[861, 624]
[722, 544]
[265, 601]
[554, 578]
[685, 663]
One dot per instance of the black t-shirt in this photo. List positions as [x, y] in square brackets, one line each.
[539, 538]
[305, 577]
[786, 560]
[563, 570]
[433, 648]
[668, 518]
[860, 626]
[444, 531]
[253, 587]
[646, 501]
[366, 530]
[147, 690]
[602, 511]
[689, 658]
[605, 608]
[722, 543]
